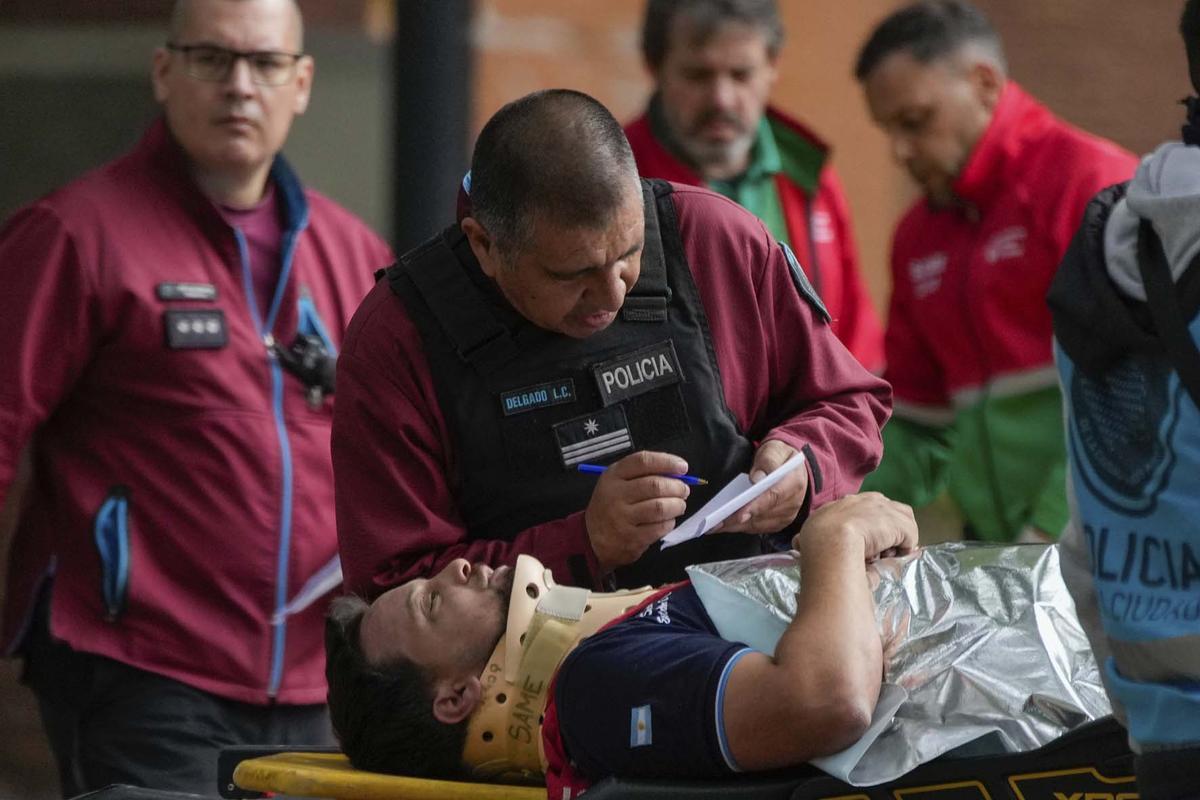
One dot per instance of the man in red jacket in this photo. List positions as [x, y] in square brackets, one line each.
[978, 410]
[167, 329]
[708, 124]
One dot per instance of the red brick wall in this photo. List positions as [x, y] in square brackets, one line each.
[1111, 66]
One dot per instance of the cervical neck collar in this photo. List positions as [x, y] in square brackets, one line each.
[545, 622]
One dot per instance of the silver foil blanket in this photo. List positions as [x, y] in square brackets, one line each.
[982, 639]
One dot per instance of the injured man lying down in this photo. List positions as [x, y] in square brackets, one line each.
[860, 653]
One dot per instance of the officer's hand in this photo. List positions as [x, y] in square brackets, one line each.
[774, 509]
[885, 527]
[634, 505]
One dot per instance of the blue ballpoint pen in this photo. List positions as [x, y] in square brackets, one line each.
[596, 469]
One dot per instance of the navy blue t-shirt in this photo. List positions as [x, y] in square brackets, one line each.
[644, 697]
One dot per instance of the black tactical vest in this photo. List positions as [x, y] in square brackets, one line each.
[525, 406]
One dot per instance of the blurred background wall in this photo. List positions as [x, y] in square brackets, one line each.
[74, 92]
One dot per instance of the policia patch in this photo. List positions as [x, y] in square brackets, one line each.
[635, 373]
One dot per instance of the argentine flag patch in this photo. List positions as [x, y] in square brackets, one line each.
[640, 733]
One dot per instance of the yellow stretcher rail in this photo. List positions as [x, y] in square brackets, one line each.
[330, 775]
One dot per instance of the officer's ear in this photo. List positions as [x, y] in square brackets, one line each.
[455, 700]
[482, 245]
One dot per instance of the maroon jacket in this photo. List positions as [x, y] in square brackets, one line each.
[783, 372]
[182, 489]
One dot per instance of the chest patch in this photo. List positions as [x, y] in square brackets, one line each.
[638, 372]
[543, 395]
[594, 436]
[195, 329]
[822, 227]
[926, 274]
[186, 291]
[1008, 243]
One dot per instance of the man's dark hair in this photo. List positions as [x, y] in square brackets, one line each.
[1189, 26]
[383, 713]
[556, 153]
[929, 30]
[706, 16]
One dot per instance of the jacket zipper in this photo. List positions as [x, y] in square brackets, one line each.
[264, 327]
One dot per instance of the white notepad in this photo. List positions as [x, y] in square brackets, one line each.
[737, 493]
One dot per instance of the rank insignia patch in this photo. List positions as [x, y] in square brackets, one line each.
[195, 329]
[593, 436]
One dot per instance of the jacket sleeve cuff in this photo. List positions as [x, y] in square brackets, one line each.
[582, 564]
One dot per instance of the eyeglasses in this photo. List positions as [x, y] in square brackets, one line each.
[206, 62]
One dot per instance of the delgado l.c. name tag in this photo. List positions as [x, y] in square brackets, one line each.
[635, 373]
[531, 398]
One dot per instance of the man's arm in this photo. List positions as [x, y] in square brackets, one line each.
[47, 318]
[1083, 173]
[786, 376]
[818, 396]
[816, 695]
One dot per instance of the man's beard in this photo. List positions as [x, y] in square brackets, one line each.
[718, 154]
[715, 154]
[505, 598]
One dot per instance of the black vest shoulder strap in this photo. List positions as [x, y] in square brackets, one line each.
[1166, 311]
[435, 270]
[651, 295]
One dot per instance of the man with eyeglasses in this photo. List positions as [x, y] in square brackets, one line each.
[168, 325]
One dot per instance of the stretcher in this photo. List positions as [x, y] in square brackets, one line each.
[1092, 762]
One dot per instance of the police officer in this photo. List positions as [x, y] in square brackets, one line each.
[575, 315]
